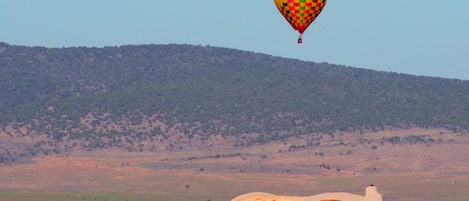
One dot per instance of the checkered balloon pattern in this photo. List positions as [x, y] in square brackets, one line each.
[300, 13]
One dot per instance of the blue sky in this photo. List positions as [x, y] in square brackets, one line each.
[419, 37]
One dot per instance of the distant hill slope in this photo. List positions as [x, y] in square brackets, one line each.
[197, 90]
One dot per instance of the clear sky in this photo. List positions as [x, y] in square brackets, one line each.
[419, 37]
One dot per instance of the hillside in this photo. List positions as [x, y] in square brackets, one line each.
[165, 97]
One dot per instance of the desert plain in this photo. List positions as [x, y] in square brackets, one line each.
[424, 165]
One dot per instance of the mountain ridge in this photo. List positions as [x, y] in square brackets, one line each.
[91, 98]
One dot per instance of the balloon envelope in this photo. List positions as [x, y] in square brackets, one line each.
[300, 13]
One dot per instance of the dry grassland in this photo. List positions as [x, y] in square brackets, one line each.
[402, 172]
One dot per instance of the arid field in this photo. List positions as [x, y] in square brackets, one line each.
[434, 166]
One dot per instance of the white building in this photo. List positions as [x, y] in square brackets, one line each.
[371, 194]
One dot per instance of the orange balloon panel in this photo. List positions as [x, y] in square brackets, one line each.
[300, 13]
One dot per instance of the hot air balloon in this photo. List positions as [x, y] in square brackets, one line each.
[300, 13]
